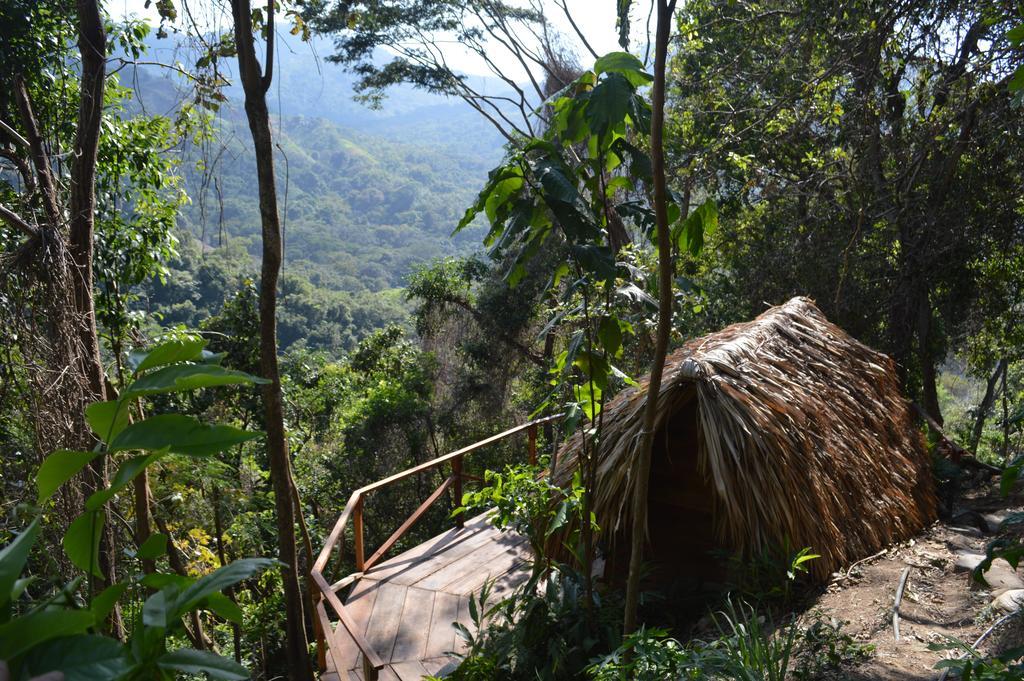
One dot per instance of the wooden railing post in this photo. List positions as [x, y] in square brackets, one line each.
[369, 672]
[531, 439]
[457, 488]
[321, 639]
[357, 535]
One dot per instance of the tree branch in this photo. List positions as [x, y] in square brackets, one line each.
[13, 134]
[39, 157]
[16, 220]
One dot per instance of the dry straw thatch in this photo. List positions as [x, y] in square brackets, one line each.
[804, 436]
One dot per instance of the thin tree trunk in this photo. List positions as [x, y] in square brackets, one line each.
[926, 359]
[987, 402]
[255, 84]
[196, 634]
[643, 465]
[1006, 415]
[218, 527]
[92, 45]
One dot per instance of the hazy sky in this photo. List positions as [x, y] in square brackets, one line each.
[596, 18]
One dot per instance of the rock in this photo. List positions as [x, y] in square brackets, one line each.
[967, 561]
[959, 542]
[993, 521]
[1003, 577]
[1009, 601]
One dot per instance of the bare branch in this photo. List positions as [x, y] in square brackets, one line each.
[16, 220]
[579, 33]
[23, 168]
[39, 156]
[13, 134]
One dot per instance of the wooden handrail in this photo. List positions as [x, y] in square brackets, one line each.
[416, 515]
[353, 510]
[372, 659]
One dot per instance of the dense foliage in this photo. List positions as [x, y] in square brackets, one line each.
[867, 155]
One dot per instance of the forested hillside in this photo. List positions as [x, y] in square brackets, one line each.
[368, 196]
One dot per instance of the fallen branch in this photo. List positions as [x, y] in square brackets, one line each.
[974, 646]
[849, 570]
[896, 606]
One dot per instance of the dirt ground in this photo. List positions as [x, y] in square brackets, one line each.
[940, 600]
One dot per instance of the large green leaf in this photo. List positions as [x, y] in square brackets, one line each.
[125, 474]
[170, 352]
[702, 222]
[81, 658]
[107, 419]
[626, 64]
[159, 610]
[192, 661]
[82, 542]
[608, 104]
[180, 434]
[225, 607]
[103, 604]
[152, 548]
[555, 183]
[597, 260]
[13, 558]
[220, 579]
[24, 633]
[186, 377]
[57, 469]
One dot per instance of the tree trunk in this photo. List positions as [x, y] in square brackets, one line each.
[255, 84]
[926, 360]
[643, 466]
[92, 46]
[987, 402]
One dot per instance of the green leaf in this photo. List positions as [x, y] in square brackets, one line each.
[57, 469]
[170, 352]
[154, 547]
[103, 604]
[555, 183]
[160, 609]
[225, 607]
[24, 633]
[220, 579]
[597, 260]
[13, 558]
[107, 419]
[82, 542]
[192, 661]
[186, 377]
[609, 333]
[84, 657]
[180, 434]
[1016, 34]
[701, 222]
[626, 64]
[125, 474]
[608, 104]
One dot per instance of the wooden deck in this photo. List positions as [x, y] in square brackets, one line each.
[406, 606]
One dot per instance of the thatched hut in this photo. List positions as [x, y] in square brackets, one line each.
[780, 431]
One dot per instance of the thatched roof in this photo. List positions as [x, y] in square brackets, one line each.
[804, 435]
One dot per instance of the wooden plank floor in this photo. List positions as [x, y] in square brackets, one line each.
[407, 605]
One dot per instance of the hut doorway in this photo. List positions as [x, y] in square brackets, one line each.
[683, 549]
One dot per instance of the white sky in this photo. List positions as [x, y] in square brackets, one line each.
[596, 19]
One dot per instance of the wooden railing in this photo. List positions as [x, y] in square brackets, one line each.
[372, 662]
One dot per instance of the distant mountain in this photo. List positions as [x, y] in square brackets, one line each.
[366, 194]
